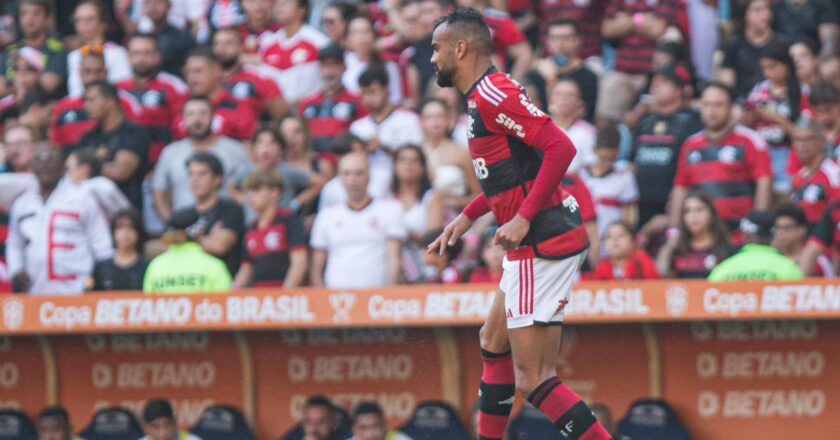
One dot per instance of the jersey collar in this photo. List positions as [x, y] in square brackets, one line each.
[491, 69]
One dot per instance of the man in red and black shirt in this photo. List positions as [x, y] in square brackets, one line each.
[519, 156]
[824, 239]
[728, 162]
[817, 182]
[332, 109]
[160, 94]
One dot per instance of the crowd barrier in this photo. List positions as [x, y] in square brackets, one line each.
[736, 360]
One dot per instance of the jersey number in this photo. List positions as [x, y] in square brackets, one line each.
[481, 170]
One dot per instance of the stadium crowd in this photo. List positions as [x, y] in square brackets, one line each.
[210, 145]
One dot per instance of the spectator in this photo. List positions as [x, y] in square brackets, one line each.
[567, 111]
[34, 19]
[773, 106]
[586, 17]
[369, 256]
[259, 20]
[817, 182]
[334, 21]
[830, 69]
[122, 145]
[83, 168]
[492, 257]
[416, 58]
[173, 42]
[332, 109]
[320, 420]
[387, 126]
[27, 64]
[250, 89]
[160, 94]
[804, 56]
[38, 264]
[126, 269]
[613, 191]
[362, 55]
[741, 69]
[369, 424]
[727, 161]
[757, 260]
[204, 79]
[636, 26]
[623, 261]
[297, 76]
[825, 239]
[221, 223]
[18, 149]
[816, 20]
[790, 235]
[299, 151]
[54, 424]
[658, 139]
[158, 417]
[564, 59]
[510, 46]
[170, 181]
[441, 268]
[91, 24]
[275, 244]
[825, 101]
[698, 244]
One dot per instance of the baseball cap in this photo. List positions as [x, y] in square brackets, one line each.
[331, 52]
[679, 75]
[759, 224]
[182, 220]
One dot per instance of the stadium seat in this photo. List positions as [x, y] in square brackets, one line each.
[651, 419]
[15, 425]
[531, 424]
[112, 424]
[434, 421]
[222, 423]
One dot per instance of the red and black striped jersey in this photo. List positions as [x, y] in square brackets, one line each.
[269, 249]
[252, 90]
[232, 119]
[330, 117]
[813, 190]
[502, 130]
[70, 121]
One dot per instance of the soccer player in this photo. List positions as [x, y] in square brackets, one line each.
[519, 158]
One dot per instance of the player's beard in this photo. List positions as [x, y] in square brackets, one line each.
[445, 78]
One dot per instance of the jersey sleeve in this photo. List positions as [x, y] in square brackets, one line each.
[507, 110]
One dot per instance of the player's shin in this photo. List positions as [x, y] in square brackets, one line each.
[570, 415]
[496, 394]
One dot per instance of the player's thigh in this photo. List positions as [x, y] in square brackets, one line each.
[494, 333]
[535, 352]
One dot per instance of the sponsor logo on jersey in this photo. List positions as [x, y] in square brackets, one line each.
[508, 123]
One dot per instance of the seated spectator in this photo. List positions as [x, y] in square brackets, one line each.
[259, 19]
[825, 239]
[298, 152]
[790, 236]
[816, 20]
[334, 21]
[825, 102]
[387, 126]
[35, 19]
[698, 244]
[369, 424]
[171, 180]
[623, 261]
[54, 424]
[159, 421]
[174, 43]
[90, 22]
[357, 244]
[613, 191]
[320, 420]
[38, 264]
[332, 109]
[17, 149]
[817, 182]
[757, 260]
[567, 111]
[492, 257]
[741, 69]
[804, 56]
[275, 243]
[125, 270]
[362, 54]
[185, 267]
[441, 268]
[510, 46]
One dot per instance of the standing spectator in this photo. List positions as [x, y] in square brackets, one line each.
[817, 182]
[275, 244]
[825, 102]
[492, 257]
[564, 58]
[334, 21]
[91, 24]
[159, 421]
[614, 191]
[122, 145]
[221, 222]
[741, 69]
[160, 94]
[250, 89]
[83, 168]
[700, 242]
[727, 161]
[258, 21]
[387, 126]
[54, 424]
[825, 239]
[126, 269]
[330, 111]
[173, 42]
[623, 261]
[369, 424]
[362, 55]
[659, 138]
[585, 15]
[357, 244]
[510, 46]
[34, 19]
[40, 264]
[804, 56]
[292, 52]
[816, 20]
[789, 238]
[170, 181]
[757, 260]
[567, 111]
[637, 26]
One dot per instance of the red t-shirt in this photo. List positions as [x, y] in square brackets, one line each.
[70, 121]
[639, 266]
[330, 117]
[232, 119]
[252, 90]
[504, 32]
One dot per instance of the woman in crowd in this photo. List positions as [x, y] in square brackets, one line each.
[806, 61]
[740, 68]
[299, 153]
[624, 261]
[700, 242]
[335, 18]
[126, 269]
[361, 53]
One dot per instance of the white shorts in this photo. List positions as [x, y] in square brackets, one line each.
[537, 290]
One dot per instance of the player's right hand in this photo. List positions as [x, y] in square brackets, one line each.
[451, 233]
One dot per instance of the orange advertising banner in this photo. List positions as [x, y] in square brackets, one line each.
[407, 306]
[25, 374]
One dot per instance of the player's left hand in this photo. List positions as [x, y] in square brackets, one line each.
[511, 233]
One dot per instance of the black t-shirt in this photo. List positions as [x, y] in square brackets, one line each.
[656, 152]
[796, 22]
[130, 137]
[174, 45]
[268, 250]
[108, 276]
[741, 56]
[230, 216]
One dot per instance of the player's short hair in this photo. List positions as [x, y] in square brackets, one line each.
[264, 179]
[720, 86]
[469, 25]
[374, 75]
[87, 156]
[792, 212]
[209, 160]
[106, 89]
[565, 22]
[367, 408]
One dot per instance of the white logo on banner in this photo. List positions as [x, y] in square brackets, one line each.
[676, 299]
[342, 303]
[12, 314]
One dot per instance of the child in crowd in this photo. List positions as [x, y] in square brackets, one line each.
[624, 261]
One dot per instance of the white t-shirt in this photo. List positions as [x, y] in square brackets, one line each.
[356, 242]
[292, 62]
[400, 128]
[116, 61]
[381, 174]
[583, 135]
[355, 69]
[610, 193]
